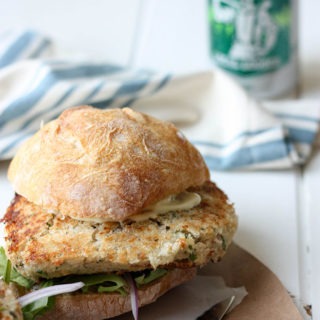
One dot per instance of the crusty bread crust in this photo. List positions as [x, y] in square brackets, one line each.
[109, 164]
[95, 306]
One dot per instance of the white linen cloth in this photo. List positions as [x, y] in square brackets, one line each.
[229, 128]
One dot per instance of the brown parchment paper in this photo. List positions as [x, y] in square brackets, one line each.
[267, 298]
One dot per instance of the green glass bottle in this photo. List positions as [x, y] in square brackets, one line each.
[256, 42]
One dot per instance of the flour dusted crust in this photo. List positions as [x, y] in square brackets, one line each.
[105, 164]
[96, 306]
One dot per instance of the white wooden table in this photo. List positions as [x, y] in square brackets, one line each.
[279, 211]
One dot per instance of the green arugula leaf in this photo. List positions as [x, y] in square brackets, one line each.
[7, 271]
[149, 276]
[94, 279]
[10, 274]
[114, 288]
[107, 282]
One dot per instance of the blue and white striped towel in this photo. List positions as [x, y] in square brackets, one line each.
[229, 128]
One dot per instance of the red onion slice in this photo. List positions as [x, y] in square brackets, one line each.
[134, 299]
[49, 292]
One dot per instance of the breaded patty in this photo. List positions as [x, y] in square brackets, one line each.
[41, 244]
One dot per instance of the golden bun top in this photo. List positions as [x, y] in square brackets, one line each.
[105, 164]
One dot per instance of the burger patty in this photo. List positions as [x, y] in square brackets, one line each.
[45, 245]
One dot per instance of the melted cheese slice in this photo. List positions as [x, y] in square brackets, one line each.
[183, 201]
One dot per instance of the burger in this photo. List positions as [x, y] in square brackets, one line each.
[112, 209]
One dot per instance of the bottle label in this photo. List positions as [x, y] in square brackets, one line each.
[250, 37]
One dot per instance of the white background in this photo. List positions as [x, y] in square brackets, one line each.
[279, 211]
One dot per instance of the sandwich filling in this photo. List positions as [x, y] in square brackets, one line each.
[44, 245]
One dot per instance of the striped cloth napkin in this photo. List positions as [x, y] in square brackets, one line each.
[229, 128]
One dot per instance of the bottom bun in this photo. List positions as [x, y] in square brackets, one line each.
[95, 306]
